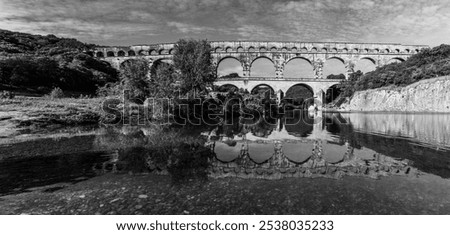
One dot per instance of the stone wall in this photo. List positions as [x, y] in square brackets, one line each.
[432, 95]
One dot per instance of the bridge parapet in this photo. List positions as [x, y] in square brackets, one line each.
[267, 47]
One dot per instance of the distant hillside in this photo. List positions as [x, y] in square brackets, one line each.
[426, 64]
[41, 63]
[23, 43]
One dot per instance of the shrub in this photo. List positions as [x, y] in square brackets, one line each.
[56, 93]
[7, 95]
[110, 89]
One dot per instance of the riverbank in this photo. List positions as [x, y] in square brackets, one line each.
[33, 114]
[155, 194]
[431, 95]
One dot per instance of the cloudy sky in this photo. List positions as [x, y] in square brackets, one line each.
[130, 22]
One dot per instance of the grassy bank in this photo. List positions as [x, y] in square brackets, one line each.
[27, 114]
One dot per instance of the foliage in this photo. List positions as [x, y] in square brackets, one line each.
[163, 83]
[231, 75]
[44, 62]
[426, 64]
[15, 42]
[348, 86]
[110, 89]
[6, 95]
[56, 93]
[192, 59]
[332, 76]
[134, 77]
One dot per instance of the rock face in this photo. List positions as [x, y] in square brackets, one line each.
[432, 95]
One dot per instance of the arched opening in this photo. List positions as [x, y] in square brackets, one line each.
[262, 67]
[121, 53]
[106, 63]
[294, 50]
[157, 63]
[251, 49]
[131, 53]
[273, 49]
[163, 52]
[396, 60]
[365, 65]
[262, 49]
[230, 67]
[126, 63]
[297, 95]
[99, 54]
[333, 66]
[240, 49]
[142, 52]
[153, 52]
[331, 94]
[218, 49]
[299, 68]
[229, 49]
[172, 51]
[110, 54]
[228, 88]
[263, 89]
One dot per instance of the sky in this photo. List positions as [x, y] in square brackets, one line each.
[132, 22]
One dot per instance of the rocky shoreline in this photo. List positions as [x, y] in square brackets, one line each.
[428, 96]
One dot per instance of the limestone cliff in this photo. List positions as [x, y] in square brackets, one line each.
[432, 95]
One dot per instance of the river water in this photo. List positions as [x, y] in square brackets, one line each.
[406, 153]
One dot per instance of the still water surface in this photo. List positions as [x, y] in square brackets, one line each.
[409, 147]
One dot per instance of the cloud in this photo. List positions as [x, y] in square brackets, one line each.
[113, 22]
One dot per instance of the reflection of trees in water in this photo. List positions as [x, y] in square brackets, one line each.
[156, 149]
[298, 123]
[262, 128]
[337, 125]
[426, 158]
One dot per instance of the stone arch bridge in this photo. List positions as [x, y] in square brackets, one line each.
[280, 54]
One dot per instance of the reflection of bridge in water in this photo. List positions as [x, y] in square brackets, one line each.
[316, 158]
[281, 154]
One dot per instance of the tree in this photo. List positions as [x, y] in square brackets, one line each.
[192, 60]
[332, 76]
[134, 78]
[348, 87]
[163, 82]
[231, 75]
